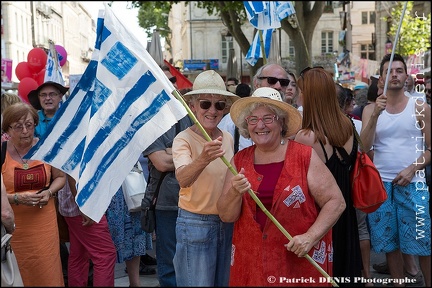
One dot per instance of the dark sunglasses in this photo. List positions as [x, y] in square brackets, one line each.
[206, 104]
[273, 80]
[309, 68]
[173, 79]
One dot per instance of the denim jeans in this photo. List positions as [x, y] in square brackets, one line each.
[203, 250]
[166, 246]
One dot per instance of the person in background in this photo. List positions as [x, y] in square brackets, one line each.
[7, 213]
[231, 84]
[274, 76]
[203, 250]
[389, 126]
[242, 90]
[7, 99]
[170, 77]
[30, 186]
[428, 90]
[291, 94]
[292, 183]
[411, 89]
[360, 101]
[330, 132]
[129, 239]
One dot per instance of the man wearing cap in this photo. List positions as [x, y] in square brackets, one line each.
[203, 249]
[46, 99]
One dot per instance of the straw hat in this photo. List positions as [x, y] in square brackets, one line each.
[272, 97]
[33, 95]
[210, 82]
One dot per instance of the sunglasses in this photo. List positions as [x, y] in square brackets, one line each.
[309, 68]
[173, 79]
[273, 80]
[206, 104]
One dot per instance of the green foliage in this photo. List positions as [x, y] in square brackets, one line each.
[414, 35]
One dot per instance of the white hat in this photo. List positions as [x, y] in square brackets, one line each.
[272, 97]
[210, 82]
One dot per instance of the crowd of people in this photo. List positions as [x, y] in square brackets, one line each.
[259, 160]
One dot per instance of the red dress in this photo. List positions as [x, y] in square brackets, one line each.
[259, 258]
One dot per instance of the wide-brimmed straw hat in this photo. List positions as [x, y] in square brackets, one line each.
[272, 97]
[33, 96]
[210, 82]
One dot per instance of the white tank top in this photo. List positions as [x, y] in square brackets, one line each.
[398, 142]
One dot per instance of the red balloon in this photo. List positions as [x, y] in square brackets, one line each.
[62, 54]
[40, 77]
[26, 85]
[37, 59]
[22, 70]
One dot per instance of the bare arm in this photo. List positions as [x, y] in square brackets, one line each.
[59, 181]
[162, 160]
[7, 214]
[370, 116]
[86, 221]
[187, 174]
[327, 195]
[229, 203]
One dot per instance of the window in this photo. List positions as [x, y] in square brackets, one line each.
[368, 17]
[326, 42]
[291, 49]
[226, 46]
[367, 52]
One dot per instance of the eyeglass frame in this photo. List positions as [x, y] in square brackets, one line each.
[215, 104]
[272, 79]
[19, 128]
[273, 118]
[50, 95]
[309, 68]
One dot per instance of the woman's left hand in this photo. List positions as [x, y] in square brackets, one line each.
[46, 195]
[300, 245]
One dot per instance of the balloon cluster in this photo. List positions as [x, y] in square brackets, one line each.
[32, 73]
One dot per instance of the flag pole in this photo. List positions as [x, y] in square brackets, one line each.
[262, 47]
[394, 48]
[179, 97]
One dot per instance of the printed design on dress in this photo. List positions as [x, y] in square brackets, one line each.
[330, 252]
[232, 254]
[297, 196]
[33, 178]
[319, 253]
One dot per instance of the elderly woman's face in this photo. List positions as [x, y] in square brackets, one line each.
[264, 126]
[21, 132]
[209, 110]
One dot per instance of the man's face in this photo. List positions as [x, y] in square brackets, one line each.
[397, 75]
[49, 98]
[273, 71]
[230, 85]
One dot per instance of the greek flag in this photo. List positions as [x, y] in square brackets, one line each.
[254, 52]
[265, 15]
[53, 70]
[121, 104]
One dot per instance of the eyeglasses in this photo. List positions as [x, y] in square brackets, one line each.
[273, 80]
[20, 128]
[309, 68]
[206, 104]
[50, 95]
[173, 79]
[267, 119]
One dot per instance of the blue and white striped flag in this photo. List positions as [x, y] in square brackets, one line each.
[121, 105]
[53, 70]
[265, 15]
[255, 52]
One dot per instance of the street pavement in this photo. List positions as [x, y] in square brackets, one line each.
[121, 278]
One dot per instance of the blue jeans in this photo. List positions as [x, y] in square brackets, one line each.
[166, 246]
[203, 250]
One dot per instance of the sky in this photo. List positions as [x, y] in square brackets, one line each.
[128, 17]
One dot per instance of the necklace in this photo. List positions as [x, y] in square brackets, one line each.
[25, 164]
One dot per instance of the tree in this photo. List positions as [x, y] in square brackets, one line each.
[233, 15]
[414, 35]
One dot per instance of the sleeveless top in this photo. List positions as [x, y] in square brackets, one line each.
[346, 243]
[258, 255]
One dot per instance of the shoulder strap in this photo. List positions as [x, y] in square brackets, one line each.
[3, 151]
[155, 195]
[325, 153]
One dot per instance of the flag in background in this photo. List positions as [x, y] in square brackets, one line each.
[265, 16]
[255, 52]
[53, 70]
[121, 105]
[182, 81]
